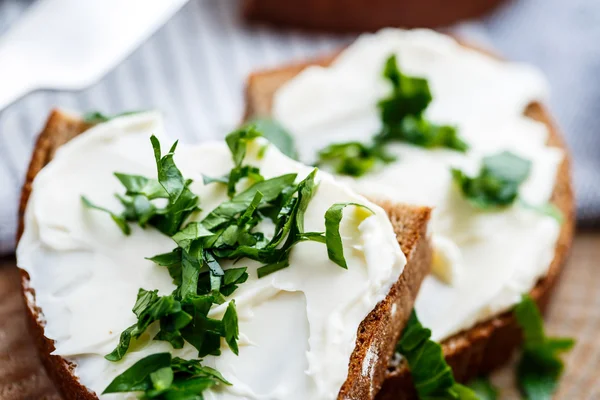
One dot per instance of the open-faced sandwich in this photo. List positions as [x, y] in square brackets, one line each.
[224, 270]
[416, 117]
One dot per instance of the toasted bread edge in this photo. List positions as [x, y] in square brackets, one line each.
[379, 331]
[489, 344]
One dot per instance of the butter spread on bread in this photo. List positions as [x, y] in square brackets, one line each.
[298, 326]
[484, 260]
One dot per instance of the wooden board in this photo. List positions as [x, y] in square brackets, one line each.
[575, 311]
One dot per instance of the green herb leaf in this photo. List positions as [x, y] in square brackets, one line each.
[230, 327]
[96, 117]
[420, 132]
[191, 232]
[172, 261]
[333, 239]
[119, 219]
[432, 377]
[540, 366]
[402, 116]
[194, 367]
[548, 209]
[137, 184]
[410, 95]
[497, 184]
[238, 142]
[162, 377]
[484, 389]
[225, 212]
[149, 308]
[354, 158]
[275, 133]
[402, 113]
[137, 377]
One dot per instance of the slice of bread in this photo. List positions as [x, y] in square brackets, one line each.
[377, 333]
[489, 344]
[363, 15]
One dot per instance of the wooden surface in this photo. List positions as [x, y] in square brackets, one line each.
[575, 311]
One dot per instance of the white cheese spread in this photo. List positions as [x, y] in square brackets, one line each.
[298, 326]
[484, 260]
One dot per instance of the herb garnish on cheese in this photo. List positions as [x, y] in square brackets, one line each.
[497, 184]
[498, 181]
[161, 376]
[402, 113]
[540, 366]
[403, 120]
[226, 233]
[96, 117]
[354, 158]
[276, 134]
[432, 376]
[484, 389]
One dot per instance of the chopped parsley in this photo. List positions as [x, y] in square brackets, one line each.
[160, 376]
[403, 120]
[540, 366]
[140, 191]
[497, 184]
[354, 158]
[402, 113]
[498, 181]
[96, 117]
[484, 389]
[228, 232]
[432, 376]
[275, 133]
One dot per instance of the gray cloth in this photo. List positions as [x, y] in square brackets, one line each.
[194, 70]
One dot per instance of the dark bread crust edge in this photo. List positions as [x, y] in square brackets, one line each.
[489, 344]
[59, 129]
[378, 330]
[362, 15]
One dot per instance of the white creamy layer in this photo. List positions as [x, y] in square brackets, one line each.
[297, 326]
[484, 260]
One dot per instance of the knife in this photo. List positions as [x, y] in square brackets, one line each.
[70, 44]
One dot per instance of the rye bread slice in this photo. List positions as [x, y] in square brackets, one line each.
[363, 15]
[489, 344]
[377, 333]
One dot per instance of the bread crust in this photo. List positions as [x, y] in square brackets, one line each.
[489, 344]
[378, 332]
[363, 15]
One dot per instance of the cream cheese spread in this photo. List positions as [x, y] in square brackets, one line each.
[484, 260]
[298, 326]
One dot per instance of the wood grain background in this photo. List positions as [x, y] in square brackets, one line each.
[575, 311]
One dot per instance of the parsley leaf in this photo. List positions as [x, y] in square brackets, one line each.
[96, 117]
[230, 327]
[402, 117]
[119, 219]
[159, 376]
[237, 142]
[540, 366]
[276, 134]
[410, 95]
[354, 158]
[432, 377]
[333, 239]
[141, 190]
[402, 113]
[225, 233]
[149, 307]
[484, 389]
[497, 184]
[423, 133]
[548, 209]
